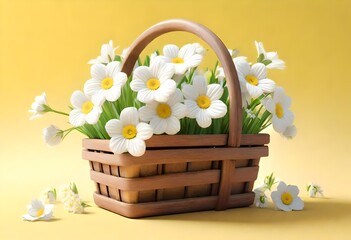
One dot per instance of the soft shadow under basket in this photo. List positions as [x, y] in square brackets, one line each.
[180, 173]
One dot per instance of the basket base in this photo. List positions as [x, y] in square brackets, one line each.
[171, 206]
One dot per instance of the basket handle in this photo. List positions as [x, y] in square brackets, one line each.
[235, 115]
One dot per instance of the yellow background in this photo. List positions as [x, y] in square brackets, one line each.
[45, 46]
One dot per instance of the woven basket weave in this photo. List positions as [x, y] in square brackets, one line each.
[180, 173]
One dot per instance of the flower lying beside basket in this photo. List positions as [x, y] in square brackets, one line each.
[168, 138]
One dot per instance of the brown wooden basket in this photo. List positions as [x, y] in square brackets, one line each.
[180, 173]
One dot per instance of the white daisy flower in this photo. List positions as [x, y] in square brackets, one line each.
[48, 196]
[254, 78]
[314, 189]
[261, 199]
[290, 132]
[85, 111]
[279, 105]
[154, 82]
[164, 117]
[52, 135]
[128, 134]
[106, 83]
[107, 54]
[38, 106]
[286, 197]
[270, 57]
[203, 102]
[183, 58]
[38, 211]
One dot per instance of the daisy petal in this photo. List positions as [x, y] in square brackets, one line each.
[114, 127]
[93, 116]
[76, 118]
[254, 91]
[91, 87]
[158, 125]
[194, 61]
[266, 85]
[214, 91]
[297, 204]
[180, 68]
[203, 118]
[192, 107]
[173, 125]
[176, 97]
[217, 109]
[129, 115]
[171, 51]
[98, 71]
[187, 51]
[242, 66]
[200, 84]
[118, 144]
[120, 79]
[78, 99]
[113, 68]
[146, 113]
[166, 89]
[259, 70]
[137, 85]
[144, 131]
[113, 93]
[146, 95]
[136, 147]
[294, 190]
[278, 124]
[142, 73]
[179, 110]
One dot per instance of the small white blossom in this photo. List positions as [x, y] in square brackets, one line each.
[314, 190]
[271, 57]
[38, 106]
[286, 197]
[107, 54]
[48, 196]
[52, 135]
[38, 211]
[261, 200]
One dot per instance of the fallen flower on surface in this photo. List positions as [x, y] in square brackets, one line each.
[286, 197]
[37, 211]
[314, 190]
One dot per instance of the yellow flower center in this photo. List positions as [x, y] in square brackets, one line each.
[153, 83]
[203, 101]
[129, 131]
[163, 110]
[279, 111]
[287, 198]
[87, 107]
[106, 83]
[252, 80]
[177, 60]
[40, 212]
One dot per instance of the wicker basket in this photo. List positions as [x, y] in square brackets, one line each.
[180, 173]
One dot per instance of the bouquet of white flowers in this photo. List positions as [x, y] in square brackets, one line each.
[167, 94]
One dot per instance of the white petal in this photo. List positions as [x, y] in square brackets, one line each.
[166, 89]
[76, 118]
[113, 93]
[145, 95]
[179, 110]
[279, 94]
[144, 131]
[93, 116]
[254, 91]
[99, 97]
[286, 103]
[91, 87]
[159, 125]
[136, 85]
[180, 68]
[29, 217]
[98, 71]
[176, 97]
[276, 64]
[120, 79]
[142, 73]
[200, 84]
[113, 68]
[118, 144]
[114, 127]
[297, 204]
[288, 117]
[259, 70]
[190, 92]
[279, 125]
[194, 61]
[171, 51]
[266, 85]
[146, 113]
[242, 66]
[203, 118]
[129, 115]
[161, 70]
[214, 91]
[136, 147]
[192, 108]
[217, 109]
[173, 125]
[293, 190]
[78, 99]
[269, 105]
[187, 51]
[281, 186]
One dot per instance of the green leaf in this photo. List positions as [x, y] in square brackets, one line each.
[260, 58]
[266, 62]
[74, 188]
[118, 58]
